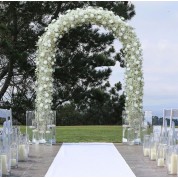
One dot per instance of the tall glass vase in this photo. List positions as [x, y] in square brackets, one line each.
[125, 127]
[135, 122]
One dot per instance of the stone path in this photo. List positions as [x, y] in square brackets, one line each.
[140, 165]
[41, 157]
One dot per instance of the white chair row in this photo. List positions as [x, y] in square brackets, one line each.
[169, 114]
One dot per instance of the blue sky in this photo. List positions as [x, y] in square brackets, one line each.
[156, 25]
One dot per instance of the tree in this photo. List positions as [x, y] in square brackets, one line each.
[20, 25]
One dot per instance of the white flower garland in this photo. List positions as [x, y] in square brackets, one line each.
[47, 47]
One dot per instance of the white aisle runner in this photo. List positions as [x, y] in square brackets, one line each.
[89, 160]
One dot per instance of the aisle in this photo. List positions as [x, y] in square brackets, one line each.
[89, 160]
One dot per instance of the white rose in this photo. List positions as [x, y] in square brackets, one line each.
[64, 23]
[40, 88]
[122, 29]
[114, 28]
[120, 34]
[137, 52]
[85, 16]
[65, 29]
[42, 54]
[71, 18]
[46, 94]
[139, 78]
[111, 21]
[137, 92]
[136, 105]
[56, 34]
[131, 88]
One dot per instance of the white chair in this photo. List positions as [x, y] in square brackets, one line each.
[174, 115]
[167, 113]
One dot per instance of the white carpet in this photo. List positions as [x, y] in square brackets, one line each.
[89, 160]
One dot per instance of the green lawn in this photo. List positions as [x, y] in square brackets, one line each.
[87, 133]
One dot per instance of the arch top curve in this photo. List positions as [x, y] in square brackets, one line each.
[47, 47]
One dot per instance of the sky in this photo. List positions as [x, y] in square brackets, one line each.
[156, 25]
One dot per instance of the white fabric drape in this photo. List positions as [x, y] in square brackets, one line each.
[89, 160]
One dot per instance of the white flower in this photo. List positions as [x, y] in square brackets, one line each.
[65, 29]
[137, 92]
[41, 105]
[131, 88]
[42, 54]
[137, 52]
[85, 16]
[114, 29]
[40, 88]
[45, 62]
[122, 29]
[71, 18]
[64, 23]
[56, 34]
[46, 95]
[111, 21]
[139, 78]
[120, 34]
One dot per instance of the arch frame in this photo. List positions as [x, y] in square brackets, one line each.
[45, 60]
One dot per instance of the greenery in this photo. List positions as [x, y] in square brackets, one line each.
[82, 69]
[86, 133]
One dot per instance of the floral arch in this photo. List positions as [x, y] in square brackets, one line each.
[46, 57]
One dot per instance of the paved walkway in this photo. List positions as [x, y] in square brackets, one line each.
[140, 165]
[41, 157]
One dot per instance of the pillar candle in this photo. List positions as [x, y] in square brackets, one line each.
[22, 152]
[160, 162]
[173, 166]
[13, 162]
[4, 164]
[153, 154]
[146, 151]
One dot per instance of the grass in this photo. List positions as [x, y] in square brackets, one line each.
[87, 133]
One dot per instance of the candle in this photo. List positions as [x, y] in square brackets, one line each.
[146, 151]
[173, 166]
[160, 162]
[4, 164]
[22, 152]
[13, 162]
[153, 154]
